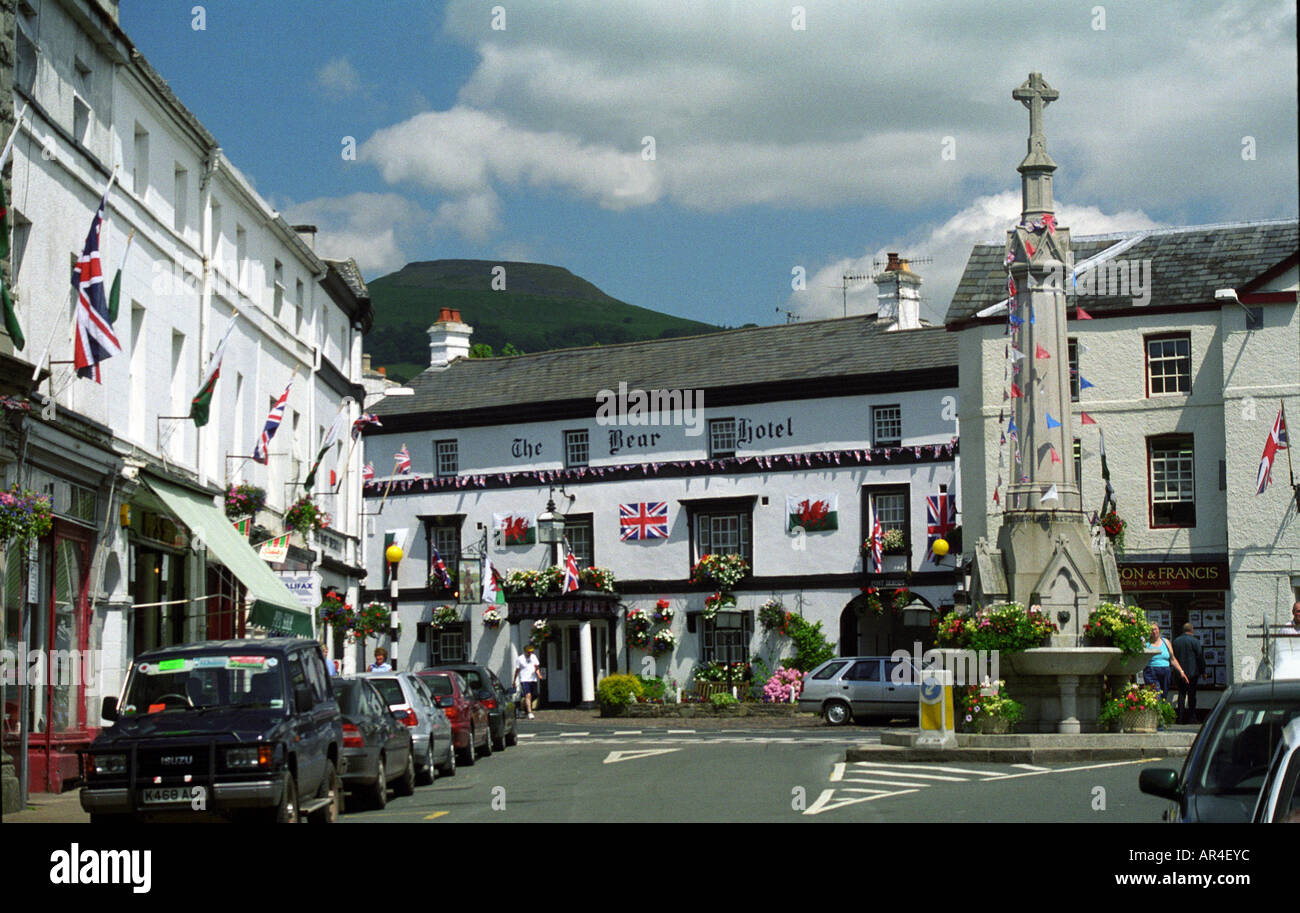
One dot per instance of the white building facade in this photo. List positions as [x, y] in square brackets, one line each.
[120, 456]
[1184, 347]
[854, 413]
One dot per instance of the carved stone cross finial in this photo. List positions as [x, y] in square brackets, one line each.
[1034, 93]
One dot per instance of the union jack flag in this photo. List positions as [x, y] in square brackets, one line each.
[368, 473]
[570, 571]
[95, 338]
[367, 418]
[261, 451]
[645, 520]
[940, 519]
[403, 458]
[440, 568]
[1276, 441]
[877, 545]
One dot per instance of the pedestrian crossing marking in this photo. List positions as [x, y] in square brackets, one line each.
[823, 803]
[946, 770]
[837, 772]
[893, 782]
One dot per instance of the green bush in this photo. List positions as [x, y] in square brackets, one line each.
[722, 700]
[617, 690]
[811, 648]
[652, 689]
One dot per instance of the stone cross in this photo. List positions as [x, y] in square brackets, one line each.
[1034, 93]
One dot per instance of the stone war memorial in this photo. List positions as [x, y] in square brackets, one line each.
[1046, 554]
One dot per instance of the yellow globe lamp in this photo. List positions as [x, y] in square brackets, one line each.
[940, 547]
[394, 554]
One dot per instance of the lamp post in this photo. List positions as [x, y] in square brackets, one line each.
[550, 525]
[394, 555]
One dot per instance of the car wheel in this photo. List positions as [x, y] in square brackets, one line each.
[424, 773]
[331, 788]
[499, 741]
[405, 786]
[487, 743]
[470, 755]
[837, 713]
[287, 813]
[379, 795]
[449, 769]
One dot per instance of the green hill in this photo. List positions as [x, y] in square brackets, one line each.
[542, 307]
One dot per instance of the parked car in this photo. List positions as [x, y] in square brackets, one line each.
[377, 748]
[240, 729]
[471, 732]
[1279, 800]
[1227, 765]
[500, 703]
[419, 710]
[861, 687]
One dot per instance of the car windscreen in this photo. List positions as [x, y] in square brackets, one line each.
[475, 680]
[205, 682]
[1239, 750]
[440, 685]
[390, 689]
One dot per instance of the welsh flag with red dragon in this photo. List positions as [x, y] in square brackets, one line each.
[813, 514]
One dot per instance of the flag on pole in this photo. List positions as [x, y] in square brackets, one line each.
[440, 569]
[403, 458]
[877, 545]
[261, 452]
[1277, 440]
[570, 570]
[1105, 474]
[367, 418]
[201, 405]
[331, 436]
[493, 594]
[10, 315]
[941, 519]
[368, 473]
[95, 338]
[115, 293]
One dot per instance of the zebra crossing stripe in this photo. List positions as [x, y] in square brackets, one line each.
[946, 770]
[892, 783]
[889, 772]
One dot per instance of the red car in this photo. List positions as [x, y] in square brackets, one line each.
[471, 734]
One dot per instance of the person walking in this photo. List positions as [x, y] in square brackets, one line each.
[1190, 655]
[1157, 671]
[526, 667]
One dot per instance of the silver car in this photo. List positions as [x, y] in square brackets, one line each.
[430, 729]
[859, 687]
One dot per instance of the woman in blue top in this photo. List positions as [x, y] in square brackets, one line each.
[1157, 671]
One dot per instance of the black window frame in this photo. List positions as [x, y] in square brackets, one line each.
[1170, 518]
[711, 650]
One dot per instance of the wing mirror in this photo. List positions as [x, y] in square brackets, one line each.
[302, 700]
[108, 710]
[1160, 781]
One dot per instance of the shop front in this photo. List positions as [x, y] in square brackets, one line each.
[1175, 593]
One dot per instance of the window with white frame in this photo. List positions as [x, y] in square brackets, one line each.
[724, 533]
[578, 532]
[577, 449]
[1169, 364]
[446, 460]
[890, 508]
[887, 426]
[722, 437]
[1173, 481]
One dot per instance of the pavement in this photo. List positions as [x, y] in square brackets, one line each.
[47, 808]
[1032, 748]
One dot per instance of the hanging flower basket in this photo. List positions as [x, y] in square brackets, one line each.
[901, 599]
[875, 604]
[663, 642]
[1114, 528]
[597, 578]
[370, 620]
[335, 612]
[718, 601]
[772, 616]
[24, 515]
[244, 500]
[542, 632]
[305, 516]
[663, 613]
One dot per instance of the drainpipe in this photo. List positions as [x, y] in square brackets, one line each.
[205, 294]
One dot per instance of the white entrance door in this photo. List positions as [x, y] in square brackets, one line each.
[557, 665]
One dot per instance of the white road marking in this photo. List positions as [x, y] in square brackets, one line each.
[527, 735]
[1067, 770]
[1030, 767]
[922, 765]
[837, 772]
[572, 734]
[890, 772]
[627, 732]
[615, 756]
[823, 801]
[681, 732]
[892, 783]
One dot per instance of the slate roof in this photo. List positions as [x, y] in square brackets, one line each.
[1188, 264]
[816, 350]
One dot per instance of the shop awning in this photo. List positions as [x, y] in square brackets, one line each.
[272, 605]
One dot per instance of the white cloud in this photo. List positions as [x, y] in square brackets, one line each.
[339, 77]
[949, 245]
[381, 231]
[475, 217]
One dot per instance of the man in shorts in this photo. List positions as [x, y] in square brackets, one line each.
[526, 676]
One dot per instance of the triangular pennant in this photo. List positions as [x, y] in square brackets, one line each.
[1051, 422]
[1040, 352]
[1081, 314]
[1050, 495]
[1086, 419]
[1056, 457]
[1016, 392]
[1084, 383]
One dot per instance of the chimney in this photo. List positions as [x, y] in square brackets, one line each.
[448, 339]
[308, 233]
[899, 297]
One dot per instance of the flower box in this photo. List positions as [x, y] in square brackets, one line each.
[1144, 719]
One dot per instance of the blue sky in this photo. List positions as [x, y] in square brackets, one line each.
[874, 127]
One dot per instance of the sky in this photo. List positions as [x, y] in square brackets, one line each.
[699, 158]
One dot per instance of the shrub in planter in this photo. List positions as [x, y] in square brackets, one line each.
[722, 700]
[445, 616]
[721, 672]
[1009, 628]
[718, 601]
[493, 618]
[781, 684]
[988, 709]
[1127, 708]
[597, 578]
[724, 570]
[614, 692]
[893, 542]
[1121, 626]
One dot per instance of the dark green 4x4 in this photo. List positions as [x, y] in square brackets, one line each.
[240, 729]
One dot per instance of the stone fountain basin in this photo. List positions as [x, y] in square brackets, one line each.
[1128, 665]
[1065, 660]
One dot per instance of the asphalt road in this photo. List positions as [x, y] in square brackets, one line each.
[663, 776]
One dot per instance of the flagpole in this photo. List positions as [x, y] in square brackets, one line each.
[1289, 468]
[240, 467]
[390, 483]
[13, 134]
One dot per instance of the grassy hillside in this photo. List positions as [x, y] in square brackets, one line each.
[542, 307]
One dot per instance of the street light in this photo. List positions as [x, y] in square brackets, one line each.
[394, 554]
